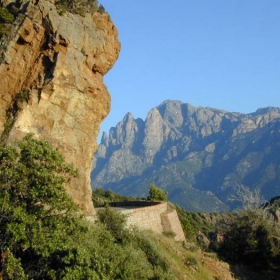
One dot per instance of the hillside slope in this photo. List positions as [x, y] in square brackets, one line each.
[198, 155]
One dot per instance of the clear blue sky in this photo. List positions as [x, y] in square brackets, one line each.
[223, 54]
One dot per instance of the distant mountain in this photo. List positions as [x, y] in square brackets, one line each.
[198, 155]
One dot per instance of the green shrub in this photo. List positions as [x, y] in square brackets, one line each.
[5, 19]
[6, 16]
[114, 222]
[157, 194]
[79, 7]
[191, 261]
[12, 268]
[249, 238]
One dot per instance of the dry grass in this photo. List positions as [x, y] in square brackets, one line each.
[191, 263]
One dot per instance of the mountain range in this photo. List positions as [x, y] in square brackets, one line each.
[198, 155]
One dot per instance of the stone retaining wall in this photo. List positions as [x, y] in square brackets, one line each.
[171, 223]
[153, 216]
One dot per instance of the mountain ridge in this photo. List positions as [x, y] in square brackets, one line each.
[184, 144]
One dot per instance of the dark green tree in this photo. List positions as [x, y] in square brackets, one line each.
[250, 237]
[157, 194]
[33, 206]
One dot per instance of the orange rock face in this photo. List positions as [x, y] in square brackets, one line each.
[54, 64]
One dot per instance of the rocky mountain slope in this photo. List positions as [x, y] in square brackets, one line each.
[52, 64]
[198, 155]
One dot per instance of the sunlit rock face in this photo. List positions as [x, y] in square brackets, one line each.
[51, 84]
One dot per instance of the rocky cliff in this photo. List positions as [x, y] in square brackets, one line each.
[51, 82]
[198, 155]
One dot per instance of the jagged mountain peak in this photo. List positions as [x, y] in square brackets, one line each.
[128, 117]
[267, 110]
[197, 154]
[171, 111]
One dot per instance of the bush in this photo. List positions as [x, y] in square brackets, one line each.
[249, 238]
[156, 194]
[77, 6]
[114, 222]
[6, 16]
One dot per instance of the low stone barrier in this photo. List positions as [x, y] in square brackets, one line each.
[153, 216]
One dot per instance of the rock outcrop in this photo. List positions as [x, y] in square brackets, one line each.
[51, 83]
[198, 155]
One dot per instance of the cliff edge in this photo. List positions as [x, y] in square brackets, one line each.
[51, 83]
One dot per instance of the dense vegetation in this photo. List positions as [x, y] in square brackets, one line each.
[156, 194]
[247, 238]
[79, 6]
[43, 237]
[251, 237]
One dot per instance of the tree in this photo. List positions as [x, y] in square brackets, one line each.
[34, 178]
[249, 200]
[251, 236]
[33, 206]
[156, 194]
